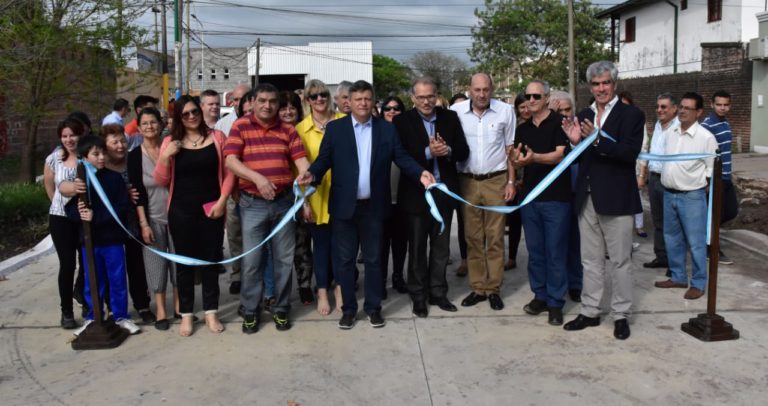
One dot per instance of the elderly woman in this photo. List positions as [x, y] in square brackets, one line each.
[191, 163]
[311, 130]
[61, 166]
[291, 112]
[151, 212]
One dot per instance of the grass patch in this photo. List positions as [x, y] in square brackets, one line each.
[23, 217]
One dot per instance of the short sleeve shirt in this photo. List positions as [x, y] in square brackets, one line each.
[544, 139]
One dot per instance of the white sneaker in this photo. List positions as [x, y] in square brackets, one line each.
[82, 328]
[129, 325]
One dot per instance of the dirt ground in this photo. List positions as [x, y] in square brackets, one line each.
[753, 218]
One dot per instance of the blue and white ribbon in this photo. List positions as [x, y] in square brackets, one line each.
[90, 171]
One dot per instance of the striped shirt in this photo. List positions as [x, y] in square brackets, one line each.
[266, 150]
[721, 129]
[61, 173]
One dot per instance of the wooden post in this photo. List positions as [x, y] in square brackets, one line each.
[710, 326]
[101, 334]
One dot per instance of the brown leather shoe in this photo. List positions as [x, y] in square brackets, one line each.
[693, 294]
[669, 284]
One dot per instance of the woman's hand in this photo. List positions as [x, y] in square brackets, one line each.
[170, 150]
[146, 234]
[218, 209]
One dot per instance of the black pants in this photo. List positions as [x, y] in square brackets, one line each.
[656, 198]
[66, 238]
[462, 241]
[395, 238]
[200, 237]
[730, 204]
[137, 275]
[428, 251]
[515, 224]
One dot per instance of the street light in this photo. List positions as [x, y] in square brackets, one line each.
[156, 10]
[202, 53]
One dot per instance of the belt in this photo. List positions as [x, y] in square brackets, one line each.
[666, 189]
[253, 196]
[483, 176]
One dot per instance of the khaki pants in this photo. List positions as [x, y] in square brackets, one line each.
[484, 233]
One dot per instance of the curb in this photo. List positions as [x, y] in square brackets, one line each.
[13, 264]
[751, 241]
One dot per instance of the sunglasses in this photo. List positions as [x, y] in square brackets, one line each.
[324, 95]
[535, 96]
[390, 108]
[189, 114]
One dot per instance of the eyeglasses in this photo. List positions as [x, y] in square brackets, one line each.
[535, 96]
[390, 108]
[149, 124]
[687, 108]
[187, 115]
[429, 97]
[324, 95]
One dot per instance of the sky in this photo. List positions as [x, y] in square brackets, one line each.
[398, 28]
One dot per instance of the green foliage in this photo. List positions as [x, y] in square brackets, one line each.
[389, 76]
[529, 38]
[21, 201]
[448, 71]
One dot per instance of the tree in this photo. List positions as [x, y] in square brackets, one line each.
[528, 39]
[57, 53]
[446, 70]
[389, 76]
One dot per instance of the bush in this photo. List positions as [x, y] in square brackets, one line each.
[22, 201]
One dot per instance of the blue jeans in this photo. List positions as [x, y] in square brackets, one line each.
[546, 226]
[110, 270]
[258, 217]
[685, 227]
[268, 270]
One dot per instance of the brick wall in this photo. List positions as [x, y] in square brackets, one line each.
[728, 70]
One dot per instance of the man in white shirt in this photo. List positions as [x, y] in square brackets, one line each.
[210, 102]
[685, 198]
[666, 112]
[485, 179]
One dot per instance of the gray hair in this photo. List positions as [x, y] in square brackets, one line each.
[543, 84]
[424, 80]
[560, 95]
[668, 96]
[600, 67]
[343, 87]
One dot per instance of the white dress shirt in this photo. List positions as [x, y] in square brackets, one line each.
[691, 174]
[488, 136]
[658, 142]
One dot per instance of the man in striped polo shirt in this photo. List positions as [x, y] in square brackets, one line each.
[719, 126]
[259, 150]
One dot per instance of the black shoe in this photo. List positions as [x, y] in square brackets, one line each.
[376, 320]
[68, 321]
[621, 329]
[347, 321]
[420, 309]
[655, 263]
[250, 323]
[473, 299]
[234, 288]
[306, 296]
[555, 316]
[495, 301]
[147, 317]
[581, 322]
[443, 304]
[535, 307]
[281, 321]
[575, 295]
[162, 324]
[77, 296]
[400, 287]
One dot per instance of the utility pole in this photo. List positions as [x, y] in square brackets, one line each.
[202, 53]
[157, 40]
[258, 57]
[177, 44]
[165, 57]
[189, 54]
[119, 48]
[571, 54]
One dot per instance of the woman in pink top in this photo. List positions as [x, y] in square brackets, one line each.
[192, 163]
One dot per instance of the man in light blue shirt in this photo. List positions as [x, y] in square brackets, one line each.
[120, 109]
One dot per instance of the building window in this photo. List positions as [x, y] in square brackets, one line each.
[213, 74]
[199, 74]
[683, 4]
[226, 73]
[714, 10]
[629, 30]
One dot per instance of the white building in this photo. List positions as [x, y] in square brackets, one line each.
[290, 67]
[644, 37]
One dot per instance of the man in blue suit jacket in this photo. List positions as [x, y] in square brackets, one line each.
[360, 149]
[606, 198]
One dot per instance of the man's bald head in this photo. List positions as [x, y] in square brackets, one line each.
[480, 91]
[237, 93]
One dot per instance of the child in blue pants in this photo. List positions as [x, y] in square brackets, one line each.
[108, 238]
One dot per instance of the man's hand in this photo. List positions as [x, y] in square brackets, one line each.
[586, 128]
[305, 178]
[438, 147]
[86, 214]
[427, 179]
[265, 186]
[640, 181]
[572, 129]
[509, 192]
[522, 159]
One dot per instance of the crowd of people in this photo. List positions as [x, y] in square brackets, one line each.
[177, 181]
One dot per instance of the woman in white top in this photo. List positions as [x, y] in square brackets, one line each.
[61, 166]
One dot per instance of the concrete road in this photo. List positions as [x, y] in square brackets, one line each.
[475, 356]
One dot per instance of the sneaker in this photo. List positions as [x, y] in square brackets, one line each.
[147, 317]
[129, 325]
[376, 320]
[82, 328]
[250, 323]
[724, 260]
[347, 321]
[281, 321]
[68, 321]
